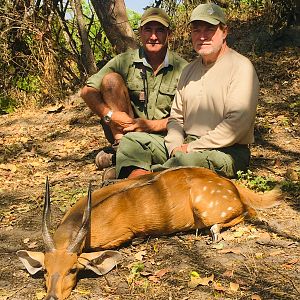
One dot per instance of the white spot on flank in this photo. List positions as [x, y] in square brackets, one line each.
[230, 208]
[223, 214]
[198, 199]
[211, 204]
[204, 188]
[219, 183]
[212, 191]
[204, 214]
[230, 191]
[225, 196]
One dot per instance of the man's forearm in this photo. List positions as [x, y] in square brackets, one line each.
[158, 125]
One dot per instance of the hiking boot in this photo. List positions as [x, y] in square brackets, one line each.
[109, 174]
[103, 160]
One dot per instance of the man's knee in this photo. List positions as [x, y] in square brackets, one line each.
[112, 81]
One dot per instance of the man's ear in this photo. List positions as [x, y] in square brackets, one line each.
[33, 261]
[99, 262]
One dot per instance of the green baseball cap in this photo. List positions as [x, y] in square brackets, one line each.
[155, 14]
[210, 13]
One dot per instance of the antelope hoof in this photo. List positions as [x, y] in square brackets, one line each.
[215, 232]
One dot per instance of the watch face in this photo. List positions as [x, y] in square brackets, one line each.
[107, 119]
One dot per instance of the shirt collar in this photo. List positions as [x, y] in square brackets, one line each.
[140, 58]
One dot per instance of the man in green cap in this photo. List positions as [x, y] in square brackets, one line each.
[212, 117]
[133, 93]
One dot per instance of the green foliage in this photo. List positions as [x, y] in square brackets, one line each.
[7, 105]
[30, 83]
[137, 268]
[291, 187]
[254, 182]
[134, 19]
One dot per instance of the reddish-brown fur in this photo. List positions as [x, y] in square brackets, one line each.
[160, 203]
[163, 203]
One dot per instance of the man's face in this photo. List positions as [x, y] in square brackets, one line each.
[207, 39]
[154, 36]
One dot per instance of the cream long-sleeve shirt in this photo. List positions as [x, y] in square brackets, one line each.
[217, 103]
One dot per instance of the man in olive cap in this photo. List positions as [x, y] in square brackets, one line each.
[133, 93]
[212, 117]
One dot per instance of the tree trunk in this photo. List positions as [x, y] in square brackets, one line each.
[87, 56]
[113, 18]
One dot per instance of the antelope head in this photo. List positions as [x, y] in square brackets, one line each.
[63, 259]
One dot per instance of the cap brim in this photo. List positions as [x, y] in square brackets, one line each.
[206, 19]
[156, 19]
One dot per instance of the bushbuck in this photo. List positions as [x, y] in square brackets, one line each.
[174, 200]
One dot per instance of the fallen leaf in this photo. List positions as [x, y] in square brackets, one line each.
[161, 273]
[25, 241]
[218, 246]
[153, 279]
[9, 167]
[277, 252]
[40, 295]
[255, 297]
[146, 274]
[264, 238]
[228, 273]
[230, 250]
[195, 281]
[219, 287]
[55, 109]
[234, 286]
[140, 255]
[259, 255]
[32, 245]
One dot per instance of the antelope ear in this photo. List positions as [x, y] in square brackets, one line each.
[33, 261]
[99, 262]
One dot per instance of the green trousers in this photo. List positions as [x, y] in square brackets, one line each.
[148, 151]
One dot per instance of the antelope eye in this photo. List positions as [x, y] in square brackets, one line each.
[73, 271]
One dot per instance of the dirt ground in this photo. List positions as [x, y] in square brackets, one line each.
[253, 261]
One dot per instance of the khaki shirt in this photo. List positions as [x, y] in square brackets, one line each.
[215, 103]
[132, 66]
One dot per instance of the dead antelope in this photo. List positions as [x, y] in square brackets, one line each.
[174, 200]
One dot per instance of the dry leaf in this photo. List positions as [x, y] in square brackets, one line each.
[259, 255]
[219, 287]
[153, 279]
[264, 238]
[195, 281]
[25, 241]
[277, 252]
[234, 286]
[230, 250]
[161, 273]
[140, 255]
[40, 295]
[228, 273]
[218, 246]
[255, 297]
[32, 245]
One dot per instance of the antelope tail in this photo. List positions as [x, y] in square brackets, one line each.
[259, 201]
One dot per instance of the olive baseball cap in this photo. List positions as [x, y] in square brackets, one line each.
[155, 14]
[210, 13]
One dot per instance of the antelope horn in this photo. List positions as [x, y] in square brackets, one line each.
[82, 232]
[49, 244]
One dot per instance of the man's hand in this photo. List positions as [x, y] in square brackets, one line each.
[144, 125]
[121, 120]
[182, 148]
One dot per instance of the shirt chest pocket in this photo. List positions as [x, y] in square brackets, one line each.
[166, 96]
[135, 88]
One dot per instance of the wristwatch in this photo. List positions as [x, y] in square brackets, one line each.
[107, 117]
